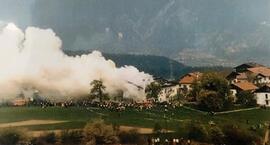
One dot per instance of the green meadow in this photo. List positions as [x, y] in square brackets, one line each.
[172, 119]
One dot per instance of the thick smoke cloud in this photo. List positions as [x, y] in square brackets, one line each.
[33, 61]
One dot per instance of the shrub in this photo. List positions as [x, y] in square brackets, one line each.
[157, 129]
[98, 132]
[50, 138]
[12, 136]
[211, 101]
[246, 98]
[236, 136]
[216, 136]
[71, 137]
[45, 139]
[131, 137]
[197, 131]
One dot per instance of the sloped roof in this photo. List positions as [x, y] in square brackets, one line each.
[190, 78]
[250, 65]
[245, 86]
[236, 75]
[260, 70]
[242, 76]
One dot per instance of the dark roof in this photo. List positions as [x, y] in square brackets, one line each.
[168, 85]
[165, 81]
[236, 75]
[263, 89]
[232, 75]
[250, 65]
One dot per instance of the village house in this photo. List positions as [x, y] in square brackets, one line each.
[187, 80]
[242, 86]
[235, 77]
[250, 72]
[242, 73]
[247, 77]
[261, 75]
[20, 101]
[263, 96]
[168, 91]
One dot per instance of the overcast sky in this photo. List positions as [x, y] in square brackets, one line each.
[221, 31]
[17, 11]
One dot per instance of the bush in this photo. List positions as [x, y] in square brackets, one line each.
[131, 137]
[71, 137]
[246, 98]
[50, 138]
[46, 139]
[197, 131]
[216, 136]
[98, 132]
[211, 101]
[237, 136]
[157, 129]
[11, 136]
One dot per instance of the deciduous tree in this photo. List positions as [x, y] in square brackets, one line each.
[152, 90]
[246, 98]
[98, 90]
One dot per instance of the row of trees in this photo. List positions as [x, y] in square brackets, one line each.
[211, 91]
[98, 90]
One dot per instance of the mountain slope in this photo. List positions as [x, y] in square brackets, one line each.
[196, 32]
[155, 65]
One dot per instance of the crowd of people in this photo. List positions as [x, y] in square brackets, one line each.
[110, 105]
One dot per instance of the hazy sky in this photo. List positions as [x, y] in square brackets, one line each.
[17, 11]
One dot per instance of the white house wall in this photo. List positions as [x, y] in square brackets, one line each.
[186, 86]
[262, 80]
[167, 93]
[262, 99]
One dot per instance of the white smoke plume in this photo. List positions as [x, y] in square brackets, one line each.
[33, 60]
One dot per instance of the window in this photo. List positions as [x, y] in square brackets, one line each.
[266, 96]
[267, 102]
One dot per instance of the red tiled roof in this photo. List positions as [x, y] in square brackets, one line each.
[245, 86]
[190, 78]
[260, 70]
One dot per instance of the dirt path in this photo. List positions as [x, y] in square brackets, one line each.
[238, 110]
[192, 109]
[140, 130]
[46, 122]
[29, 123]
[224, 112]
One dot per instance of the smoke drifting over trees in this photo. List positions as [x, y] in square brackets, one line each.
[33, 61]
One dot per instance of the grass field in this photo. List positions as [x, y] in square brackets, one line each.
[77, 117]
